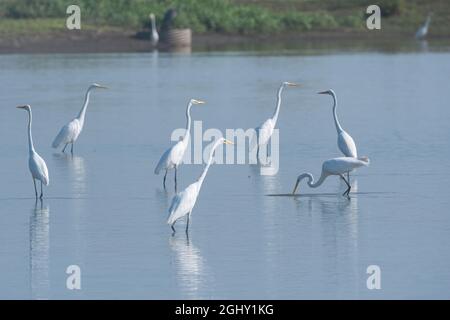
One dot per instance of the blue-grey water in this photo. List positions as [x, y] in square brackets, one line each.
[106, 211]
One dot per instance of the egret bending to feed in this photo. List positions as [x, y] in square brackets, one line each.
[345, 142]
[265, 131]
[154, 37]
[334, 167]
[37, 165]
[71, 131]
[173, 157]
[423, 30]
[183, 202]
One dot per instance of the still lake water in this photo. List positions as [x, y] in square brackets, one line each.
[105, 210]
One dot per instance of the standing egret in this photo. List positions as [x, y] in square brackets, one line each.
[345, 142]
[423, 30]
[154, 37]
[71, 131]
[334, 167]
[265, 131]
[37, 165]
[173, 157]
[183, 202]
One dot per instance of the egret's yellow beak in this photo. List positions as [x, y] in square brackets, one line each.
[291, 84]
[198, 101]
[103, 87]
[227, 142]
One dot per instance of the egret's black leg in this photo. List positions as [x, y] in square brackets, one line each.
[348, 177]
[42, 192]
[176, 179]
[257, 154]
[35, 189]
[71, 149]
[164, 181]
[64, 150]
[346, 193]
[173, 228]
[187, 223]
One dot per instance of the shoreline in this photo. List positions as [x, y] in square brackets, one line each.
[128, 41]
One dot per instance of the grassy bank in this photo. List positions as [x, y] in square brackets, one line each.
[224, 16]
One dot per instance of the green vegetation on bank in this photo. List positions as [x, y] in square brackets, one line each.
[224, 16]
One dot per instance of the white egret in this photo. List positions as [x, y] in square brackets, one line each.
[334, 167]
[423, 30]
[71, 131]
[173, 157]
[264, 132]
[183, 202]
[36, 164]
[154, 36]
[345, 142]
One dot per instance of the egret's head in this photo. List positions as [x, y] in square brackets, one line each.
[97, 86]
[25, 107]
[329, 92]
[152, 16]
[194, 101]
[225, 141]
[290, 84]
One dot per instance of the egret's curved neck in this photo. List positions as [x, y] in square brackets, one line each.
[277, 110]
[153, 24]
[30, 136]
[208, 164]
[336, 120]
[427, 23]
[188, 122]
[311, 182]
[82, 113]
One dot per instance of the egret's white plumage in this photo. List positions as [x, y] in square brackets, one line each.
[71, 131]
[334, 167]
[36, 164]
[184, 202]
[264, 131]
[173, 157]
[423, 30]
[154, 37]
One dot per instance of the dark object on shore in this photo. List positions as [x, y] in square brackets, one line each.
[168, 20]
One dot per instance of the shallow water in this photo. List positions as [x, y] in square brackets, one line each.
[105, 210]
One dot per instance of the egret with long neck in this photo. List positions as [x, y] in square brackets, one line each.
[184, 202]
[173, 157]
[265, 131]
[154, 37]
[37, 165]
[423, 30]
[336, 167]
[345, 142]
[71, 131]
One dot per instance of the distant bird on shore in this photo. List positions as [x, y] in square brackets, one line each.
[423, 30]
[184, 202]
[36, 164]
[154, 36]
[173, 157]
[70, 132]
[336, 167]
[264, 132]
[345, 142]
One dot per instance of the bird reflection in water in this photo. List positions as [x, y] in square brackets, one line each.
[40, 251]
[193, 274]
[76, 168]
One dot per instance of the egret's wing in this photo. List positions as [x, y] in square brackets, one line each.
[347, 145]
[65, 134]
[163, 162]
[182, 203]
[43, 170]
[265, 132]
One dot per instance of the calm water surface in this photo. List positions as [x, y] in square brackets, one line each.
[105, 210]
